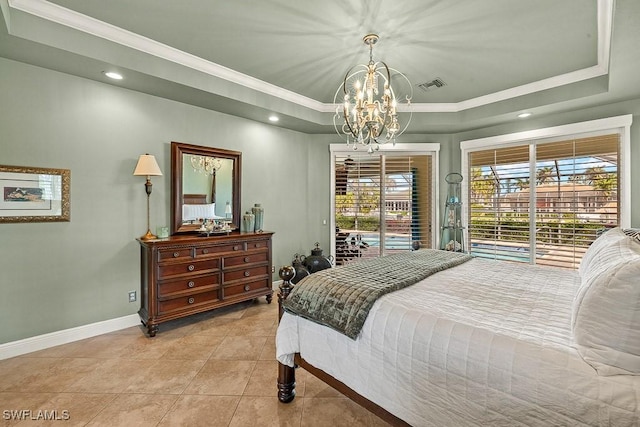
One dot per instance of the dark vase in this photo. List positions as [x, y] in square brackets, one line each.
[316, 261]
[301, 270]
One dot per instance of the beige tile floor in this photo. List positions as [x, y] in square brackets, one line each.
[211, 369]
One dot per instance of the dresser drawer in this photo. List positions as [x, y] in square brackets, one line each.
[175, 254]
[245, 288]
[213, 250]
[245, 273]
[187, 302]
[191, 267]
[248, 258]
[170, 287]
[258, 244]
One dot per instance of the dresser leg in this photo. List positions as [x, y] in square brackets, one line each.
[153, 330]
[269, 298]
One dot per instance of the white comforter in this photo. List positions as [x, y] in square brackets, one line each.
[484, 343]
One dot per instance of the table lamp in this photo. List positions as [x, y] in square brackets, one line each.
[148, 166]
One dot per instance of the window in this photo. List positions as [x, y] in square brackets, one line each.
[542, 200]
[382, 202]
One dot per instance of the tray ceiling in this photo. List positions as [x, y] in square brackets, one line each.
[242, 57]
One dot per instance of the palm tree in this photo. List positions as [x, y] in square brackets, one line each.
[508, 184]
[593, 174]
[601, 181]
[483, 187]
[606, 183]
[544, 175]
[522, 183]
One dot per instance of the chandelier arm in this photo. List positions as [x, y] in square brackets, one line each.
[408, 99]
[348, 123]
[348, 75]
[388, 72]
[344, 81]
[336, 116]
[345, 112]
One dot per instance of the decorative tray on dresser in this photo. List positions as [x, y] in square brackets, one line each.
[188, 274]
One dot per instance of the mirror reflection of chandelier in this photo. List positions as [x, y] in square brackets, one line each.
[204, 164]
[368, 114]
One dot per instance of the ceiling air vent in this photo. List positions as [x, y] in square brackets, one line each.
[432, 85]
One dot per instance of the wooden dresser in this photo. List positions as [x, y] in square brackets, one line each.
[188, 274]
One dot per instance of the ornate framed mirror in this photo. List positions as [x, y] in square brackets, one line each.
[205, 184]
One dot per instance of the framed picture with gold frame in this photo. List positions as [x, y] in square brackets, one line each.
[30, 194]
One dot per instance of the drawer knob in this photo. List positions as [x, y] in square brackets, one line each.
[176, 254]
[236, 247]
[191, 300]
[247, 274]
[191, 284]
[191, 267]
[247, 288]
[246, 259]
[205, 251]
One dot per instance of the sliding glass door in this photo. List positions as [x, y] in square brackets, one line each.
[543, 202]
[383, 203]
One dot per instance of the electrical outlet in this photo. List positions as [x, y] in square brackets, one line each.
[132, 296]
[273, 268]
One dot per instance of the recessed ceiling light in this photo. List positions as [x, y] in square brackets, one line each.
[273, 118]
[524, 115]
[113, 75]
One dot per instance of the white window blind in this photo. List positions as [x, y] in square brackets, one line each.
[499, 220]
[383, 204]
[559, 192]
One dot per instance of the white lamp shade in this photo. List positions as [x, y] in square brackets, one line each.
[148, 166]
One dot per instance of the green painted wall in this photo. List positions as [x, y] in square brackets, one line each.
[56, 276]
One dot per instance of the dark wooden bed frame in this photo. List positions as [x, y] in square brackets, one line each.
[287, 374]
[194, 199]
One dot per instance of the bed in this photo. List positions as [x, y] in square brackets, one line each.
[486, 342]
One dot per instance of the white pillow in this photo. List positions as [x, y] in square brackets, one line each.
[606, 319]
[195, 212]
[606, 239]
[602, 253]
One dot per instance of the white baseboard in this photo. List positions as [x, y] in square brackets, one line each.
[52, 339]
[40, 342]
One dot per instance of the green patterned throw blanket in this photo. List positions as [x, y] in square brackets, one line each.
[341, 297]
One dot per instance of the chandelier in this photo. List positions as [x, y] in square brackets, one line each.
[367, 113]
[206, 165]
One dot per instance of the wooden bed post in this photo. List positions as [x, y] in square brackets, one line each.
[286, 374]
